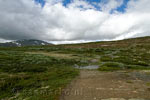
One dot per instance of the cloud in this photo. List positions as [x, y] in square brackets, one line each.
[80, 20]
[82, 5]
[4, 41]
[110, 5]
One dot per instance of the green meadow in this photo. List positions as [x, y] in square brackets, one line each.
[42, 72]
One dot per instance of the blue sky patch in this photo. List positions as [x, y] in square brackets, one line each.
[93, 2]
[42, 2]
[123, 6]
[66, 2]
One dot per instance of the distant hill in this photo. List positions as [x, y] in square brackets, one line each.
[24, 42]
[131, 42]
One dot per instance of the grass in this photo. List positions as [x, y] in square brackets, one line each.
[29, 72]
[148, 84]
[129, 81]
[42, 72]
[134, 59]
[111, 66]
[135, 67]
[106, 58]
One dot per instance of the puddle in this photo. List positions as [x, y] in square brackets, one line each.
[87, 67]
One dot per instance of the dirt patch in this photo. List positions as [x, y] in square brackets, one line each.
[56, 55]
[95, 85]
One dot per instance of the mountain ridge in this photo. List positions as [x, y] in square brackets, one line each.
[24, 42]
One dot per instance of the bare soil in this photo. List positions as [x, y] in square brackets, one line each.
[96, 85]
[57, 55]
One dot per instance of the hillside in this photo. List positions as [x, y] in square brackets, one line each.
[116, 44]
[103, 70]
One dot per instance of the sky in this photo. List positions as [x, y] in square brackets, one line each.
[71, 21]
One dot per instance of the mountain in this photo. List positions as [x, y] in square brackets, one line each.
[24, 42]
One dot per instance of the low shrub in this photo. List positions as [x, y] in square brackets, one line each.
[105, 68]
[111, 66]
[137, 67]
[106, 58]
[141, 63]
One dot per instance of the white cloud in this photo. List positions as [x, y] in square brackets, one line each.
[81, 4]
[141, 6]
[24, 19]
[52, 2]
[110, 5]
[4, 41]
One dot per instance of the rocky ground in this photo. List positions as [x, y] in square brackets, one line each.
[118, 85]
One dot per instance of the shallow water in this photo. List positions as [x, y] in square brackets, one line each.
[88, 67]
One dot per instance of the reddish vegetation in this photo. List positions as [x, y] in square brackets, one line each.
[108, 44]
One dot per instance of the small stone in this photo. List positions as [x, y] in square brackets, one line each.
[135, 92]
